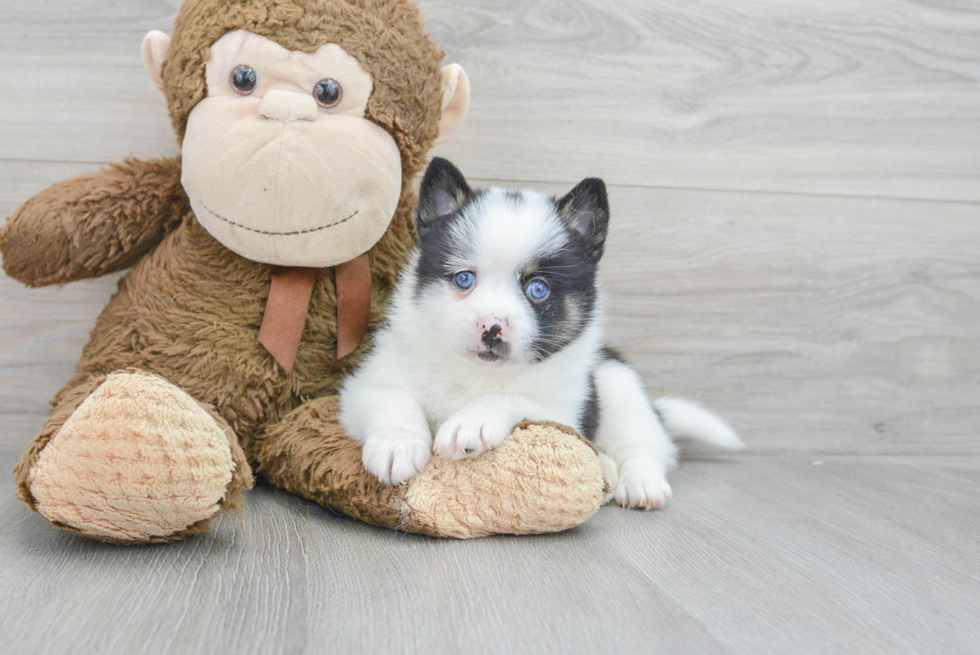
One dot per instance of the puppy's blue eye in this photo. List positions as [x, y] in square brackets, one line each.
[465, 280]
[537, 290]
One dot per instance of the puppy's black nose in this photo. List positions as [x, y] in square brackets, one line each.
[492, 337]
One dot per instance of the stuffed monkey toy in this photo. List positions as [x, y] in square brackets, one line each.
[260, 261]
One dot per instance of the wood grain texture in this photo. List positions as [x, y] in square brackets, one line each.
[796, 222]
[753, 555]
[875, 99]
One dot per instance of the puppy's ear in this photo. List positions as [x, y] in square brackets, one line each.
[586, 210]
[444, 190]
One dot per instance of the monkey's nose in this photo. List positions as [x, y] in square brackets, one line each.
[288, 106]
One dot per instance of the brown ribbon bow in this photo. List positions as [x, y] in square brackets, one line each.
[289, 303]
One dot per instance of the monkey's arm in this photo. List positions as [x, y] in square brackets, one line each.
[93, 224]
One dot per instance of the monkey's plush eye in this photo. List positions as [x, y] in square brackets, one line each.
[537, 290]
[465, 280]
[244, 79]
[328, 92]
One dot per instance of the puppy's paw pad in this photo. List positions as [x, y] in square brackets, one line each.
[395, 457]
[469, 434]
[642, 490]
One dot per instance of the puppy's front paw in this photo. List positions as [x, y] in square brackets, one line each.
[642, 486]
[396, 455]
[468, 433]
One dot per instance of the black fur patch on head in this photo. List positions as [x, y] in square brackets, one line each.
[442, 194]
[436, 247]
[585, 209]
[515, 197]
[570, 306]
[443, 197]
[571, 272]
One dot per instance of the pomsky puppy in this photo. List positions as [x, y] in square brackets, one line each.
[498, 318]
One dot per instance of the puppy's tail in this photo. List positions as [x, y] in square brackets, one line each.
[682, 418]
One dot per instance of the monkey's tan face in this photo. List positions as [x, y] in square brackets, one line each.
[279, 162]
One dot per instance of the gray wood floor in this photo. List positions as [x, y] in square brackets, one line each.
[756, 554]
[796, 229]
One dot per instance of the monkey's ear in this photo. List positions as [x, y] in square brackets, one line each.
[455, 99]
[586, 210]
[444, 190]
[156, 48]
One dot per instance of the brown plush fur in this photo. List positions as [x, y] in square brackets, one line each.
[95, 224]
[309, 454]
[386, 36]
[190, 312]
[190, 309]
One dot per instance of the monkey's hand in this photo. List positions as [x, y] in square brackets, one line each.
[95, 224]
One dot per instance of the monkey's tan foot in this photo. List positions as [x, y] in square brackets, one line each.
[542, 478]
[138, 461]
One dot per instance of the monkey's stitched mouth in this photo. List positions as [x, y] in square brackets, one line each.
[278, 234]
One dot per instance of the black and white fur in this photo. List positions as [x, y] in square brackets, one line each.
[469, 364]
